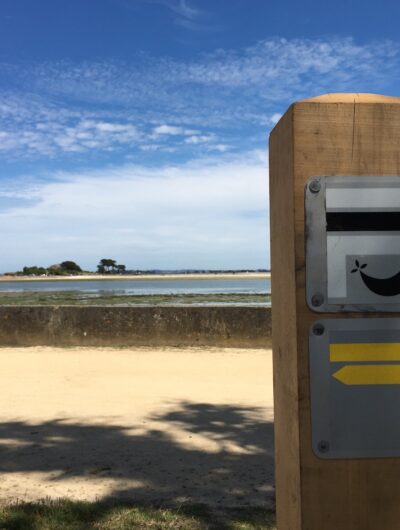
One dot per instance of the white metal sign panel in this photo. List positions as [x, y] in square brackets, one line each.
[353, 243]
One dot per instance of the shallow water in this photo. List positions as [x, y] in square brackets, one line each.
[143, 287]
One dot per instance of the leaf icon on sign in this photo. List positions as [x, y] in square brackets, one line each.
[357, 267]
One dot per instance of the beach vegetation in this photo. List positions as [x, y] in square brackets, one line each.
[77, 297]
[80, 515]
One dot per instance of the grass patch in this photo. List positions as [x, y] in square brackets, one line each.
[73, 515]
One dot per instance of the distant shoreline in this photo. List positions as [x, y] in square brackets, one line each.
[122, 277]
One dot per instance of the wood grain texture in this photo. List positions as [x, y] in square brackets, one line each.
[339, 135]
[286, 401]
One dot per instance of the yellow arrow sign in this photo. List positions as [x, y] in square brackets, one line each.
[369, 374]
[380, 351]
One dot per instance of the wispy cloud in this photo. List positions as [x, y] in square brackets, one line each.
[181, 8]
[276, 69]
[195, 215]
[186, 14]
[225, 96]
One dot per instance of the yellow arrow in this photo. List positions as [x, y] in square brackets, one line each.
[369, 374]
[381, 351]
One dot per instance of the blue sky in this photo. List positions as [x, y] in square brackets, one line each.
[137, 129]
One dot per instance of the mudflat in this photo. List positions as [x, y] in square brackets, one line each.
[146, 425]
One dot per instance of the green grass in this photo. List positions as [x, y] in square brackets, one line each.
[70, 515]
[78, 298]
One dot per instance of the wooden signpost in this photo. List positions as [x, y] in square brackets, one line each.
[336, 382]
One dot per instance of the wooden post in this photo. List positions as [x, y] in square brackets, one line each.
[330, 135]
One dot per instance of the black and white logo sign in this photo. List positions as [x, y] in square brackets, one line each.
[353, 243]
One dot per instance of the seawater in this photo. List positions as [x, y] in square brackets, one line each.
[143, 287]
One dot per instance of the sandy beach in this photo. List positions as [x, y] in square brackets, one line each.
[170, 425]
[97, 277]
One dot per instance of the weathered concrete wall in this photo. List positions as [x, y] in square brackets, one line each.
[135, 326]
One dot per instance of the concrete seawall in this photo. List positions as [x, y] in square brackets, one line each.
[237, 326]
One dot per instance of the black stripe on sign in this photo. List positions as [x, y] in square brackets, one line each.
[362, 221]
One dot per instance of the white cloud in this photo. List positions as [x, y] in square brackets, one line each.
[276, 116]
[87, 134]
[209, 213]
[151, 147]
[67, 135]
[200, 139]
[222, 148]
[169, 130]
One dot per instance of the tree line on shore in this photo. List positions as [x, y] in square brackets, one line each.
[68, 268]
[110, 266]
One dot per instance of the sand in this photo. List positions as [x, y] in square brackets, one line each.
[145, 425]
[96, 277]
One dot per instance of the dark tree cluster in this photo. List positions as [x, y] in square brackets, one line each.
[110, 266]
[34, 271]
[61, 269]
[70, 266]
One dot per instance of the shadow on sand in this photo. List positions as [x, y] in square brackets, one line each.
[154, 465]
